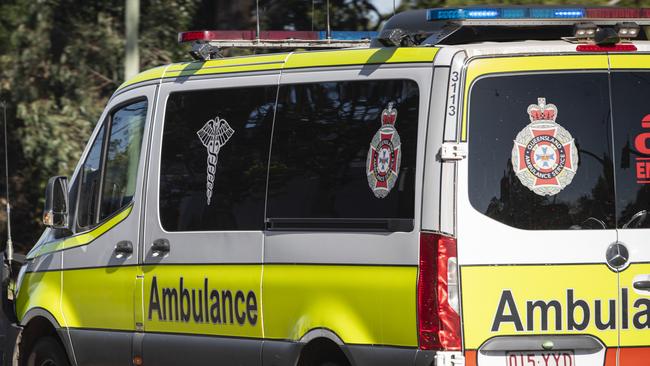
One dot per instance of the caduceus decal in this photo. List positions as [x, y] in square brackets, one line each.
[214, 134]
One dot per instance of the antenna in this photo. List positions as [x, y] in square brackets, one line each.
[312, 15]
[329, 30]
[9, 250]
[257, 15]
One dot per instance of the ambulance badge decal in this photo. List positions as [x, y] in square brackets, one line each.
[214, 134]
[544, 156]
[384, 155]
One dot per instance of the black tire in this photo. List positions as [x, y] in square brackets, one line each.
[47, 352]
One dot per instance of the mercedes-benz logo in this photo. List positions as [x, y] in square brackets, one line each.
[617, 256]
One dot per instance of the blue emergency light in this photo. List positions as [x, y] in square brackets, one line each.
[348, 35]
[504, 13]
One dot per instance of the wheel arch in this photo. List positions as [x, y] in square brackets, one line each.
[38, 323]
[321, 333]
[321, 343]
[38, 312]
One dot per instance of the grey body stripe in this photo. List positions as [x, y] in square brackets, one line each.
[173, 349]
[94, 347]
[97, 348]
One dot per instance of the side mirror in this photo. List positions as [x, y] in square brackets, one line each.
[56, 203]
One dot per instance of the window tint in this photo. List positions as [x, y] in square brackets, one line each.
[122, 157]
[321, 142]
[630, 91]
[577, 195]
[90, 178]
[214, 159]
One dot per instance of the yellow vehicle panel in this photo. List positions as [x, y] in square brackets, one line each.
[361, 304]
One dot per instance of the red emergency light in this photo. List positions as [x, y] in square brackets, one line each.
[621, 47]
[249, 35]
[623, 13]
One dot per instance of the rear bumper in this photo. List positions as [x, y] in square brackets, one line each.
[279, 353]
[393, 356]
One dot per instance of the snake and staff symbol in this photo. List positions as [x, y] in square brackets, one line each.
[214, 134]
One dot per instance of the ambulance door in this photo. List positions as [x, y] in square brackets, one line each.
[536, 213]
[205, 214]
[100, 259]
[630, 77]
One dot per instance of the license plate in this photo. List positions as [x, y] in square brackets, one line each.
[540, 358]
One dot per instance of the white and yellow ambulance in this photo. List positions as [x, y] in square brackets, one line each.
[470, 189]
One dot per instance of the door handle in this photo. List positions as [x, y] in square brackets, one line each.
[123, 248]
[160, 247]
[642, 285]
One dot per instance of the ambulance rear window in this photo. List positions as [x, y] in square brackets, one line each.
[323, 166]
[540, 150]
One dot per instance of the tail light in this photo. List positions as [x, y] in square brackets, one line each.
[438, 294]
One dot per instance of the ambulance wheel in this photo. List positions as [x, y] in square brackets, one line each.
[47, 352]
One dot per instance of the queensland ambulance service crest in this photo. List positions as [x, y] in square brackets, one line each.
[214, 134]
[544, 156]
[384, 155]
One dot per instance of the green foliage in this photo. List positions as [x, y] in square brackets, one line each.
[61, 60]
[308, 15]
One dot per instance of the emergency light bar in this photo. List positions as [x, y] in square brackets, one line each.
[535, 13]
[207, 43]
[279, 39]
[235, 35]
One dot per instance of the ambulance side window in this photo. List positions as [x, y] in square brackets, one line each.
[122, 158]
[90, 178]
[108, 176]
[319, 161]
[630, 92]
[214, 159]
[550, 182]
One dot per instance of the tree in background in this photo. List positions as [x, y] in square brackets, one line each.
[60, 60]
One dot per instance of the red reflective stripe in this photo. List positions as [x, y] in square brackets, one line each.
[597, 48]
[610, 357]
[471, 358]
[632, 356]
